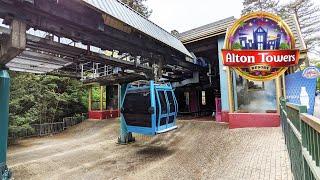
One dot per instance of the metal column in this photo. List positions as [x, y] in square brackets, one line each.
[101, 98]
[90, 99]
[230, 90]
[4, 121]
[125, 137]
[278, 92]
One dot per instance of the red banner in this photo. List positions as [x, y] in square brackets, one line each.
[273, 58]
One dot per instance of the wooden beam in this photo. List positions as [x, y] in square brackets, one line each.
[15, 44]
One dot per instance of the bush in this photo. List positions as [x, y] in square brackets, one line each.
[284, 46]
[236, 45]
[43, 99]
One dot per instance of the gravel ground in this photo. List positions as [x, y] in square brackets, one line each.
[196, 150]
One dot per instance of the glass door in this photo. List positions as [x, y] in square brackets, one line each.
[171, 108]
[163, 106]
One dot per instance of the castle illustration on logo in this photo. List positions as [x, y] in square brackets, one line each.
[260, 46]
[260, 34]
[260, 40]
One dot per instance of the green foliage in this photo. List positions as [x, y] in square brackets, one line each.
[284, 46]
[138, 5]
[43, 99]
[236, 45]
[307, 14]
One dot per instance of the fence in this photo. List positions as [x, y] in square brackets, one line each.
[48, 128]
[302, 137]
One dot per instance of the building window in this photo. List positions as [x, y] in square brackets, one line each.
[260, 38]
[203, 98]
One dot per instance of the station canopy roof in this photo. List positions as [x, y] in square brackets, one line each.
[122, 12]
[35, 61]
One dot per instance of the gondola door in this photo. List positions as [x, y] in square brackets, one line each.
[163, 109]
[172, 112]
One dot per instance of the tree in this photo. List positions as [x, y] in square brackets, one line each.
[284, 46]
[259, 5]
[138, 5]
[306, 12]
[236, 45]
[42, 99]
[308, 17]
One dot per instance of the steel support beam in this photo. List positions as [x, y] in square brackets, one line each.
[4, 121]
[125, 137]
[101, 98]
[90, 99]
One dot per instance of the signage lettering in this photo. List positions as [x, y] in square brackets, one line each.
[246, 58]
[260, 46]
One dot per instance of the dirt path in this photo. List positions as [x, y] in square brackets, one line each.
[197, 150]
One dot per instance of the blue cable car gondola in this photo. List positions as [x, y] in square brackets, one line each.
[150, 108]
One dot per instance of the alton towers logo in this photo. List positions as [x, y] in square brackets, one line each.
[260, 46]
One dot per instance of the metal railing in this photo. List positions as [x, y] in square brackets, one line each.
[96, 70]
[48, 128]
[302, 137]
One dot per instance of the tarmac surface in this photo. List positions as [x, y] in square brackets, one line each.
[196, 150]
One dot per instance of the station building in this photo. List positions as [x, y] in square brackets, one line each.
[207, 90]
[203, 85]
[251, 103]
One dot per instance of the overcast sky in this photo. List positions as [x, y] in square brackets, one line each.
[183, 15]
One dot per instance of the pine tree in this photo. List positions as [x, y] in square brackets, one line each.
[259, 5]
[139, 6]
[308, 17]
[307, 13]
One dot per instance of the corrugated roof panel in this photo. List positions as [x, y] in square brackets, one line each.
[125, 14]
[209, 30]
[34, 62]
[221, 26]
